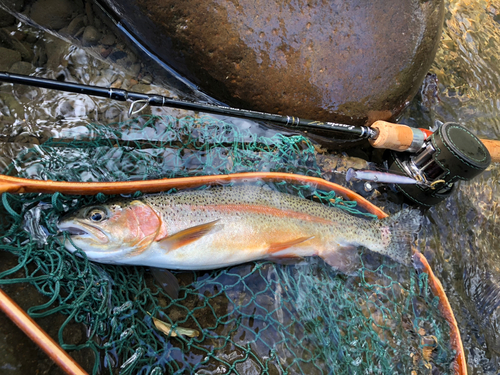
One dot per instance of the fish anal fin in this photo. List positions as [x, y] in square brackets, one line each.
[276, 247]
[189, 235]
[344, 259]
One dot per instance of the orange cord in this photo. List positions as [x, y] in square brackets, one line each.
[460, 366]
[23, 185]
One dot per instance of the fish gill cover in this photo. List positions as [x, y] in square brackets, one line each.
[255, 318]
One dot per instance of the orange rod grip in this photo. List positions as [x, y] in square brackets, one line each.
[39, 336]
[391, 136]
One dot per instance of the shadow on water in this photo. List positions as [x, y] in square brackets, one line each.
[459, 236]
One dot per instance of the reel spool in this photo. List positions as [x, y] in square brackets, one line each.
[450, 154]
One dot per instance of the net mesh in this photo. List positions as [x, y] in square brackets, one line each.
[255, 318]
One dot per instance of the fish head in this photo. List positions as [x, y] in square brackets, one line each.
[108, 233]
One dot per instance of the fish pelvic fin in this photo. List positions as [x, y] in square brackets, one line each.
[286, 258]
[276, 247]
[398, 233]
[167, 281]
[189, 235]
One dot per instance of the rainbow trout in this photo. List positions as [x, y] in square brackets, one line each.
[200, 230]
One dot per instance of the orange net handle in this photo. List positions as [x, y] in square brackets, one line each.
[39, 336]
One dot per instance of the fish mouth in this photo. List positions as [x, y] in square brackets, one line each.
[84, 230]
[75, 231]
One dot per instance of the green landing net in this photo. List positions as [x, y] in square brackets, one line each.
[255, 318]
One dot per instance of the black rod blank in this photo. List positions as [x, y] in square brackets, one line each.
[363, 132]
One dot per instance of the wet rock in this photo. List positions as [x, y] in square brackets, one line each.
[22, 67]
[108, 39]
[147, 80]
[76, 26]
[90, 36]
[40, 58]
[9, 41]
[56, 50]
[12, 108]
[15, 5]
[337, 60]
[55, 14]
[8, 57]
[6, 19]
[134, 69]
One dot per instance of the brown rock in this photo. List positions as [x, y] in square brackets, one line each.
[90, 36]
[11, 42]
[8, 18]
[76, 26]
[55, 14]
[8, 57]
[108, 39]
[336, 60]
[22, 67]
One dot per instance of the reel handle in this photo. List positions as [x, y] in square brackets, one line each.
[398, 137]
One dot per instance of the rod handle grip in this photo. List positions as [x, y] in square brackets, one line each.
[391, 136]
[493, 148]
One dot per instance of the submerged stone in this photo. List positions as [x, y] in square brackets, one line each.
[346, 60]
[55, 14]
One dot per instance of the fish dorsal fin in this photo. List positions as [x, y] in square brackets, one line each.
[275, 247]
[186, 236]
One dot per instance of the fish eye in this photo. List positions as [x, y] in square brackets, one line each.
[97, 215]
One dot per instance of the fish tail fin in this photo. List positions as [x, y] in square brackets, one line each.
[398, 232]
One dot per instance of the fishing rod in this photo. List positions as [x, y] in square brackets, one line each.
[362, 132]
[434, 160]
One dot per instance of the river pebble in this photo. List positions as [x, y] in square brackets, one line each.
[90, 36]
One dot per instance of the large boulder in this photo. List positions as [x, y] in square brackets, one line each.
[339, 60]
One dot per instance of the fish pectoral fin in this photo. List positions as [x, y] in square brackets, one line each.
[344, 259]
[186, 236]
[276, 247]
[142, 245]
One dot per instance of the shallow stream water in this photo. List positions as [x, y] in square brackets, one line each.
[460, 236]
